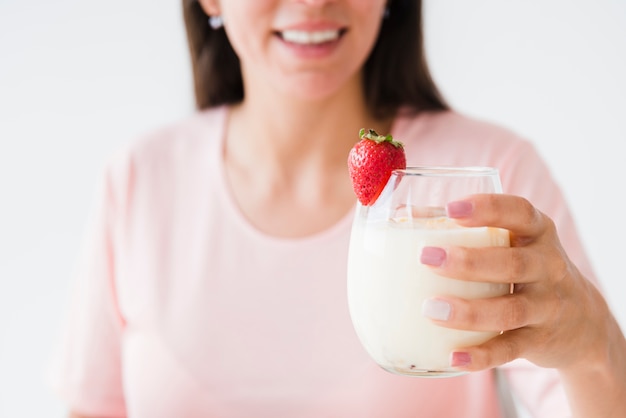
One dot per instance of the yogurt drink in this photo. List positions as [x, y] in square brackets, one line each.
[387, 286]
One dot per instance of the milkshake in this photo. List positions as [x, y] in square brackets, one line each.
[387, 286]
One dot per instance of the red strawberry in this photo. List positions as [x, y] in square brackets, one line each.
[371, 162]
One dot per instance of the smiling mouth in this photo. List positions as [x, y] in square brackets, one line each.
[302, 37]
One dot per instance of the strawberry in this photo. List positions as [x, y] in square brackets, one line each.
[371, 161]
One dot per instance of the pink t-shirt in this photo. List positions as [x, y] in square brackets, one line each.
[183, 309]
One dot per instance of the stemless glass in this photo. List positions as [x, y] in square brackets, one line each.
[387, 284]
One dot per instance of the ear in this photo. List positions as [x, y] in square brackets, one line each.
[210, 7]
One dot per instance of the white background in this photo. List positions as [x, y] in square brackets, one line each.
[79, 79]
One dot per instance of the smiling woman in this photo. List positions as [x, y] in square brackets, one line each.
[214, 270]
[256, 32]
[390, 78]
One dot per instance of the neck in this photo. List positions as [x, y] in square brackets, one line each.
[286, 159]
[288, 132]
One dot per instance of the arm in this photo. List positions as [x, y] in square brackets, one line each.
[596, 384]
[87, 372]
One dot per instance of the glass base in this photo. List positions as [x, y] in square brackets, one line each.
[414, 372]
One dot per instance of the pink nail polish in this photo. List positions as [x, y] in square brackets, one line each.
[433, 256]
[459, 209]
[460, 359]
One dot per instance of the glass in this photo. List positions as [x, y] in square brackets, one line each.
[387, 284]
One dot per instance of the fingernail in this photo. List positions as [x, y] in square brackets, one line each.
[460, 359]
[459, 209]
[436, 309]
[433, 256]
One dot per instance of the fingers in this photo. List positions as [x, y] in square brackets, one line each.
[503, 313]
[544, 316]
[490, 264]
[499, 210]
[521, 319]
[534, 314]
[535, 253]
[495, 352]
[528, 342]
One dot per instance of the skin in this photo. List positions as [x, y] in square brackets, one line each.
[287, 161]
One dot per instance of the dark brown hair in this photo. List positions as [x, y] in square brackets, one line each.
[395, 74]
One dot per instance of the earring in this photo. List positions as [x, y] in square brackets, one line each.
[386, 12]
[216, 22]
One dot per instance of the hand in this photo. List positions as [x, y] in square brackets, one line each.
[555, 318]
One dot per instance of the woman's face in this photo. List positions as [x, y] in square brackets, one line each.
[305, 48]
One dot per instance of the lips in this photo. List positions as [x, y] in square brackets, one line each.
[310, 37]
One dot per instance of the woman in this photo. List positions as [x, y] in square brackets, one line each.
[214, 281]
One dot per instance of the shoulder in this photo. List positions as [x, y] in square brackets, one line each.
[453, 127]
[452, 138]
[185, 136]
[166, 157]
[176, 143]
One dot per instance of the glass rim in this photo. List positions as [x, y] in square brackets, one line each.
[448, 171]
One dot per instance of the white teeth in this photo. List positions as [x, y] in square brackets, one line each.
[307, 38]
